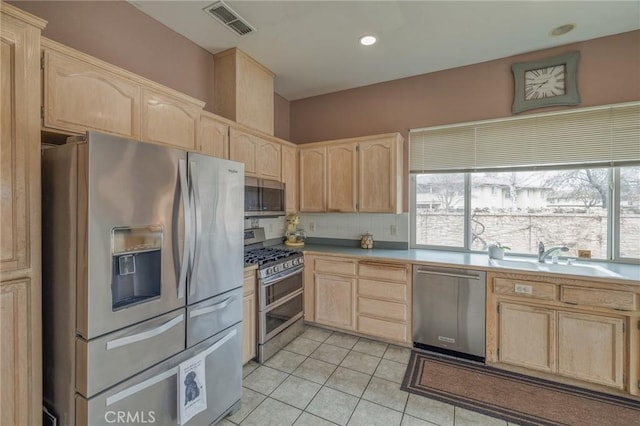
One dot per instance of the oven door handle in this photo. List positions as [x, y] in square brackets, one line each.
[282, 301]
[279, 277]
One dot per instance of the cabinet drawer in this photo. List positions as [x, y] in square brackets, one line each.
[523, 288]
[249, 282]
[614, 299]
[335, 266]
[380, 308]
[382, 290]
[383, 271]
[388, 330]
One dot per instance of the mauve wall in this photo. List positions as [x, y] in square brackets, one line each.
[608, 72]
[281, 122]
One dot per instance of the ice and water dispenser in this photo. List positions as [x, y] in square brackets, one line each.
[136, 254]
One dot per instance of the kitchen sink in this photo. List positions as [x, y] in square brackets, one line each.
[562, 268]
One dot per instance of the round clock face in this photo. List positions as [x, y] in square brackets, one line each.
[544, 82]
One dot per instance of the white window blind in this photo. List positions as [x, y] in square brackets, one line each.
[606, 135]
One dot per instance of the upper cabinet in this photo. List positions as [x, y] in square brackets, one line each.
[352, 175]
[261, 156]
[213, 136]
[84, 93]
[243, 90]
[289, 172]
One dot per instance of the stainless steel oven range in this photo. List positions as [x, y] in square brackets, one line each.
[280, 293]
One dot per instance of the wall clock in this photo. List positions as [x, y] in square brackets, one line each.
[547, 82]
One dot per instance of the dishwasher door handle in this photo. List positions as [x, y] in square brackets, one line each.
[447, 274]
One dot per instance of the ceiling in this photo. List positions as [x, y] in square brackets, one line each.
[312, 46]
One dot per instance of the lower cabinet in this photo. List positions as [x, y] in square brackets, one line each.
[249, 316]
[588, 342]
[371, 298]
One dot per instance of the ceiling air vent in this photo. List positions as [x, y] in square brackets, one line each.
[229, 18]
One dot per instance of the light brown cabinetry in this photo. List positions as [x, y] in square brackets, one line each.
[83, 93]
[290, 177]
[20, 247]
[370, 298]
[565, 329]
[243, 90]
[213, 136]
[359, 174]
[249, 316]
[261, 157]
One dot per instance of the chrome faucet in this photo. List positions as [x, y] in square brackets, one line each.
[543, 254]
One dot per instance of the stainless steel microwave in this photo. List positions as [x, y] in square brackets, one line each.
[263, 197]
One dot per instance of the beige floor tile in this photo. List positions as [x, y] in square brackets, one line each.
[386, 393]
[370, 347]
[346, 341]
[408, 420]
[317, 334]
[349, 381]
[225, 422]
[296, 391]
[315, 370]
[361, 362]
[370, 414]
[250, 400]
[397, 354]
[471, 418]
[333, 405]
[330, 353]
[264, 379]
[272, 413]
[307, 419]
[430, 410]
[391, 370]
[285, 361]
[302, 346]
[248, 368]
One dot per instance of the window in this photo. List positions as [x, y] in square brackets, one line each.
[568, 177]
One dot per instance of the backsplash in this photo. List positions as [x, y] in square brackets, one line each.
[350, 226]
[274, 227]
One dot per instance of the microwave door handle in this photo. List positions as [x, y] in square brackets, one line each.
[186, 250]
[193, 175]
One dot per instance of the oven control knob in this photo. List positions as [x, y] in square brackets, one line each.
[301, 260]
[276, 268]
[269, 271]
[288, 264]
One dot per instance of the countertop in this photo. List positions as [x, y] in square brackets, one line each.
[628, 273]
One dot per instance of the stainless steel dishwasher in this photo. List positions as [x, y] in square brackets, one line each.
[449, 311]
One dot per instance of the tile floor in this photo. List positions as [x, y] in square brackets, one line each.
[328, 378]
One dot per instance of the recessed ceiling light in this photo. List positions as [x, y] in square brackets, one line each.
[367, 40]
[562, 29]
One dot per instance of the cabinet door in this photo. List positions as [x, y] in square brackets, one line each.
[168, 120]
[15, 359]
[379, 180]
[527, 336]
[591, 348]
[312, 179]
[242, 148]
[268, 159]
[249, 328]
[290, 177]
[341, 178]
[79, 96]
[335, 301]
[213, 137]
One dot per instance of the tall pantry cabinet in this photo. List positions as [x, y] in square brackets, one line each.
[20, 274]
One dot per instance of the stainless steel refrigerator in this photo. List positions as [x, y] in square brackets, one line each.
[142, 271]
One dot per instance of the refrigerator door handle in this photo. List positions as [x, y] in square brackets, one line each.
[193, 175]
[184, 190]
[125, 393]
[212, 308]
[127, 340]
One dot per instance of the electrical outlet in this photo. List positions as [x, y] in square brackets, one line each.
[585, 254]
[394, 230]
[312, 226]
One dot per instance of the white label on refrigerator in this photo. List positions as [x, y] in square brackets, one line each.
[192, 397]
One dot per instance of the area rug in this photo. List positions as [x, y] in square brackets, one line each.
[514, 397]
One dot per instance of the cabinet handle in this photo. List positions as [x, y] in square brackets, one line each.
[383, 265]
